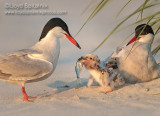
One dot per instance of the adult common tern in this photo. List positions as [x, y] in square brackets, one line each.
[135, 61]
[38, 62]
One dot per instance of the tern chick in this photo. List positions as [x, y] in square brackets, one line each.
[106, 77]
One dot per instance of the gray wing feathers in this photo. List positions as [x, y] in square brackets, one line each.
[19, 66]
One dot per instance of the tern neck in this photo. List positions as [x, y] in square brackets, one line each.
[146, 38]
[49, 47]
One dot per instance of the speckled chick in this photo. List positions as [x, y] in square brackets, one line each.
[106, 77]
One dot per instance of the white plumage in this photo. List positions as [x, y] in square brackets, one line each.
[38, 62]
[135, 61]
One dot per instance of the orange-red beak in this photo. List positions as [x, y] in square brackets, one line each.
[71, 39]
[133, 40]
[82, 59]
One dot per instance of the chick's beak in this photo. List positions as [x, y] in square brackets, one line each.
[71, 39]
[82, 59]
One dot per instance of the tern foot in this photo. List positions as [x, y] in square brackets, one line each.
[32, 97]
[27, 100]
[26, 97]
[108, 90]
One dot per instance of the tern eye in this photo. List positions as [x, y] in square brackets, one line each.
[90, 58]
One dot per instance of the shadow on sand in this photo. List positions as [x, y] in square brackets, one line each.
[64, 86]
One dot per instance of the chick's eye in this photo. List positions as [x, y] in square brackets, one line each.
[90, 58]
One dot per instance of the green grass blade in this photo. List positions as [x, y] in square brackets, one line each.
[157, 30]
[144, 4]
[109, 35]
[148, 17]
[86, 9]
[123, 8]
[155, 51]
[136, 11]
[127, 38]
[97, 9]
[141, 12]
[155, 15]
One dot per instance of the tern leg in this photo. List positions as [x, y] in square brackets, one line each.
[90, 82]
[25, 95]
[109, 89]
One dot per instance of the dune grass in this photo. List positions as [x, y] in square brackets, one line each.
[151, 19]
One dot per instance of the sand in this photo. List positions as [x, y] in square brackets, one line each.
[70, 98]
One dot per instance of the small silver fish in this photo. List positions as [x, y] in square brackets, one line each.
[78, 68]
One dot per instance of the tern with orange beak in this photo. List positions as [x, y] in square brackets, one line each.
[135, 62]
[38, 62]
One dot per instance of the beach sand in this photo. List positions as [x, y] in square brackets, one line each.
[71, 98]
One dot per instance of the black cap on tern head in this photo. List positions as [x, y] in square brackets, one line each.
[53, 23]
[143, 29]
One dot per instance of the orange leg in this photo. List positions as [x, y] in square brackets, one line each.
[109, 90]
[26, 97]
